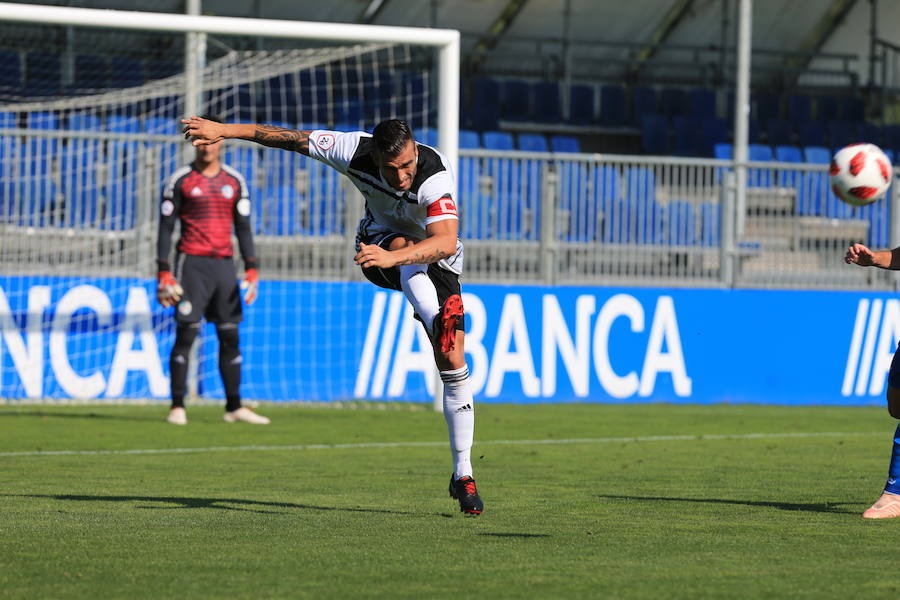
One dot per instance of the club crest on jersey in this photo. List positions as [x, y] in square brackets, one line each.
[325, 141]
[227, 191]
[196, 192]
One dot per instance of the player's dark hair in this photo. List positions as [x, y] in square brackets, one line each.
[391, 136]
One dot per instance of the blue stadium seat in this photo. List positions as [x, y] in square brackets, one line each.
[799, 107]
[723, 151]
[304, 97]
[11, 73]
[125, 72]
[512, 209]
[643, 102]
[654, 134]
[280, 210]
[686, 135]
[841, 133]
[811, 133]
[468, 140]
[8, 120]
[713, 130]
[472, 209]
[79, 165]
[485, 105]
[710, 224]
[759, 177]
[586, 196]
[160, 69]
[497, 140]
[702, 103]
[43, 75]
[612, 105]
[853, 108]
[91, 73]
[768, 106]
[640, 219]
[157, 125]
[413, 98]
[533, 142]
[878, 216]
[827, 108]
[779, 132]
[564, 143]
[428, 136]
[814, 186]
[681, 224]
[581, 104]
[672, 102]
[546, 102]
[788, 154]
[516, 101]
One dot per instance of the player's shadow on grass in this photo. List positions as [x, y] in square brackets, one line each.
[64, 415]
[819, 507]
[255, 506]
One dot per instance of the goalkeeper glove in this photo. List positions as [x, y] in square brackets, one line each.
[168, 292]
[250, 285]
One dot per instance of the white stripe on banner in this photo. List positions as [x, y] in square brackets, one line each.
[603, 440]
[387, 342]
[862, 380]
[365, 363]
[862, 310]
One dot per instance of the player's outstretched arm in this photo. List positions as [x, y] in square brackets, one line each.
[859, 254]
[203, 132]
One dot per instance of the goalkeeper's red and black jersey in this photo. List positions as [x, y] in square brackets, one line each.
[208, 208]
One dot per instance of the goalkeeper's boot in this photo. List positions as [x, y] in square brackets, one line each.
[464, 490]
[245, 415]
[886, 507]
[177, 416]
[446, 320]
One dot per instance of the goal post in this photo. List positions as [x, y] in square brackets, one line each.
[82, 167]
[446, 42]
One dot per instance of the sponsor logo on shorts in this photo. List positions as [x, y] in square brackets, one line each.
[185, 307]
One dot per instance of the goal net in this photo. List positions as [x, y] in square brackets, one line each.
[89, 134]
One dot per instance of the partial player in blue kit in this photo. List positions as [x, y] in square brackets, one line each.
[888, 505]
[407, 240]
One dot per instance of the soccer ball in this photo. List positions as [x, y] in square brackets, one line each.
[860, 174]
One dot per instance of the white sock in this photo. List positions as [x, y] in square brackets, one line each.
[420, 291]
[459, 412]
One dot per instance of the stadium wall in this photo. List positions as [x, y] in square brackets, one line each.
[108, 339]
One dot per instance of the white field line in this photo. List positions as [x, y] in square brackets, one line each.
[301, 447]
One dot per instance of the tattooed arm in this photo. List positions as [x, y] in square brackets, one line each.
[440, 243]
[206, 132]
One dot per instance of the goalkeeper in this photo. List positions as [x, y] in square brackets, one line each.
[407, 240]
[209, 198]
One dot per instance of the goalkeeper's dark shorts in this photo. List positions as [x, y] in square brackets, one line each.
[210, 289]
[445, 282]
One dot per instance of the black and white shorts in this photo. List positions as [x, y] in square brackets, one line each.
[210, 289]
[445, 282]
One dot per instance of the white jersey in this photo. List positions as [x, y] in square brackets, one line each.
[428, 200]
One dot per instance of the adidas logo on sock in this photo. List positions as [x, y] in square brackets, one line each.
[464, 408]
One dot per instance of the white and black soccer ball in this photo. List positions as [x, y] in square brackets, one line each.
[860, 174]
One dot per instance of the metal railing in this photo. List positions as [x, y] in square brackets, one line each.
[84, 204]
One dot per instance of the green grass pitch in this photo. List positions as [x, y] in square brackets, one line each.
[617, 501]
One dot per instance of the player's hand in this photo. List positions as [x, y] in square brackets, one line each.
[860, 255]
[250, 285]
[202, 132]
[168, 291]
[371, 255]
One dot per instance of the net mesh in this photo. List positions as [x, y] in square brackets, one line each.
[81, 172]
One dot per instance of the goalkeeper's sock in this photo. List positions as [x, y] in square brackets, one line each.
[893, 482]
[421, 293]
[230, 364]
[459, 412]
[178, 361]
